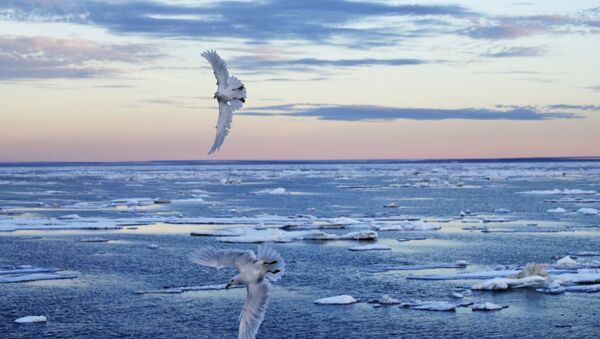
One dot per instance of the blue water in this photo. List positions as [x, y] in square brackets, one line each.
[101, 302]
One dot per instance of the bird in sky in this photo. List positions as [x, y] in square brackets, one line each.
[230, 94]
[256, 272]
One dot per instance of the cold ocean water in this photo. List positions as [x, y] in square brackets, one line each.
[118, 238]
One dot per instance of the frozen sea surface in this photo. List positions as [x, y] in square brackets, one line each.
[144, 214]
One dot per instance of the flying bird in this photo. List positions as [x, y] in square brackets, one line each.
[230, 94]
[255, 271]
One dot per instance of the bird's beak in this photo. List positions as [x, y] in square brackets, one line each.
[228, 285]
[215, 96]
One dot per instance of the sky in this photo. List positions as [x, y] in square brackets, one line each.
[91, 80]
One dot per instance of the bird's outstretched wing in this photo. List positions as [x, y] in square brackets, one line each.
[268, 254]
[223, 125]
[219, 67]
[254, 309]
[219, 258]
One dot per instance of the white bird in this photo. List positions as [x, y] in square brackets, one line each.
[231, 94]
[255, 271]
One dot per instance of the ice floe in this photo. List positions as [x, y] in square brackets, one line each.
[336, 300]
[565, 191]
[506, 283]
[405, 226]
[557, 210]
[373, 247]
[566, 262]
[275, 191]
[501, 210]
[31, 319]
[410, 239]
[28, 277]
[384, 300]
[434, 305]
[177, 290]
[486, 306]
[588, 211]
[97, 239]
[277, 235]
[458, 264]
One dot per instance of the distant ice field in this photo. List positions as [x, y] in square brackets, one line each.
[102, 250]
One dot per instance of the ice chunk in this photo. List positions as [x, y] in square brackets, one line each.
[506, 283]
[557, 210]
[337, 300]
[588, 211]
[406, 226]
[566, 262]
[551, 288]
[177, 290]
[410, 238]
[33, 277]
[31, 319]
[392, 205]
[566, 191]
[69, 217]
[385, 300]
[97, 239]
[583, 276]
[456, 295]
[501, 210]
[373, 247]
[275, 191]
[533, 269]
[344, 221]
[430, 305]
[486, 306]
[153, 246]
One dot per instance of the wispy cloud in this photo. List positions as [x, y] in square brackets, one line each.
[311, 20]
[374, 113]
[575, 107]
[512, 52]
[45, 57]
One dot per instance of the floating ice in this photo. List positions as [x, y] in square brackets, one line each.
[583, 276]
[506, 283]
[466, 275]
[31, 319]
[456, 295]
[18, 278]
[406, 226]
[501, 210]
[277, 235]
[385, 300]
[586, 254]
[458, 264]
[566, 262]
[153, 246]
[557, 210]
[410, 238]
[25, 269]
[433, 305]
[392, 205]
[486, 306]
[588, 211]
[557, 191]
[275, 191]
[69, 217]
[373, 247]
[336, 300]
[493, 219]
[177, 290]
[344, 221]
[94, 240]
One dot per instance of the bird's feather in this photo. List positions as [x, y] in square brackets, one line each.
[219, 67]
[268, 254]
[219, 258]
[223, 125]
[254, 309]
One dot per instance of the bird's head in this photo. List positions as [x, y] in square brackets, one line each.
[230, 283]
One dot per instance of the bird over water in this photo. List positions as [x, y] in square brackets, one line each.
[256, 272]
[230, 94]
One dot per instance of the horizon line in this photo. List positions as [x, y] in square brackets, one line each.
[399, 160]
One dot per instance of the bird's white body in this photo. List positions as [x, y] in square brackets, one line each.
[230, 94]
[255, 272]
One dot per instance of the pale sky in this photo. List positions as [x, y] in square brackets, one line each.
[119, 81]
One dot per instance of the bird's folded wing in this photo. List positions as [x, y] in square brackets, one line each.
[254, 309]
[219, 67]
[223, 125]
[219, 258]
